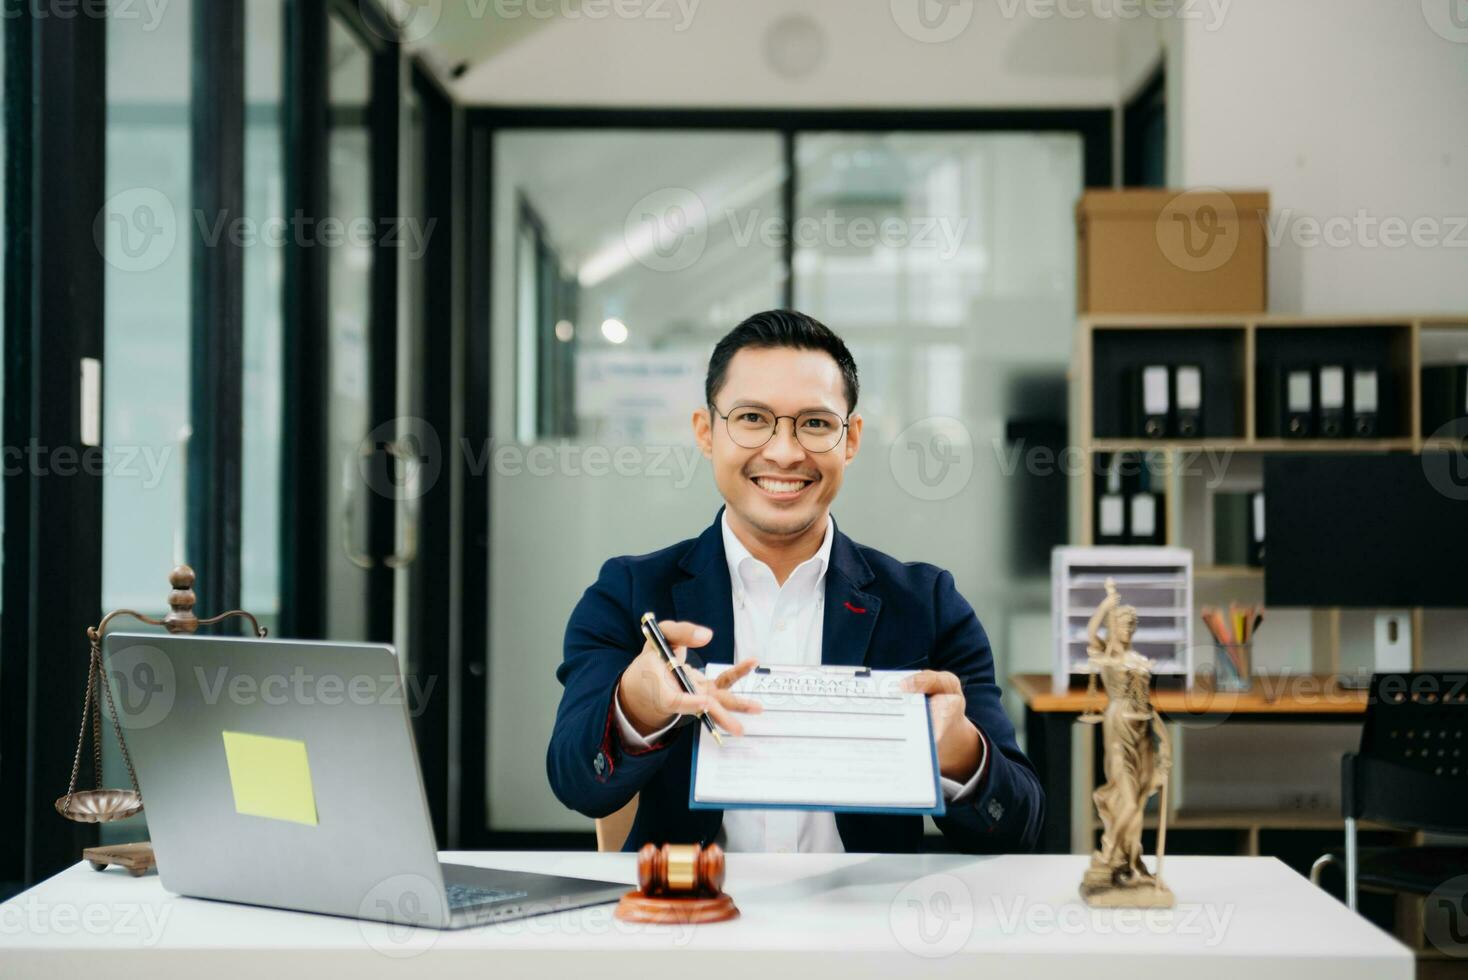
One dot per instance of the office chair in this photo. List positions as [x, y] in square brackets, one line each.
[1410, 773]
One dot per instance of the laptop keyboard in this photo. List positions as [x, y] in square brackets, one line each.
[468, 896]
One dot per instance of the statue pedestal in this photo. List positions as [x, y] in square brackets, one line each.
[1099, 891]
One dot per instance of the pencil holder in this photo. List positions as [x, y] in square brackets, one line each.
[1233, 666]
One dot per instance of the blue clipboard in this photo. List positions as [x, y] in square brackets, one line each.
[934, 811]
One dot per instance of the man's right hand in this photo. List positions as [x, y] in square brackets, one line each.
[651, 696]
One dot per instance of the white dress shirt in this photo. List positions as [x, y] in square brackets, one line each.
[781, 624]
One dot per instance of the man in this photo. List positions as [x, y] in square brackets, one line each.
[773, 580]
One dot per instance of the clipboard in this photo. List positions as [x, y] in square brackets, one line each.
[913, 767]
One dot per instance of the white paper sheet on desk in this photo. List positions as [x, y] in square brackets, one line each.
[826, 740]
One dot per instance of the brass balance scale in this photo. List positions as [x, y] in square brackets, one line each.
[102, 805]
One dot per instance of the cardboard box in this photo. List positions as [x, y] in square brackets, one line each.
[1170, 251]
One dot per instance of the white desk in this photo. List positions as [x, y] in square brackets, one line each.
[809, 916]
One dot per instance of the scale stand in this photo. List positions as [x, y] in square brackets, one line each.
[103, 805]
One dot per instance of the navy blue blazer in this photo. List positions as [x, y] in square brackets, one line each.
[879, 612]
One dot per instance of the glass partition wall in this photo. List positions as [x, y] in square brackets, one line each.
[620, 256]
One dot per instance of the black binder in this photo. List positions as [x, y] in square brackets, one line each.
[1111, 507]
[1297, 397]
[1330, 391]
[1187, 400]
[1256, 528]
[1153, 384]
[1365, 395]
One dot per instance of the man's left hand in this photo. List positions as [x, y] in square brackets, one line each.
[957, 739]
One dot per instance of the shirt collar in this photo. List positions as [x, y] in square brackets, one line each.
[736, 553]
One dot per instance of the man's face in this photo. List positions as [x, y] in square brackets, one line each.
[781, 488]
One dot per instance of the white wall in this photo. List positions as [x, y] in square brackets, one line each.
[726, 53]
[1338, 108]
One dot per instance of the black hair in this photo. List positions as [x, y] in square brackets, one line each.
[781, 328]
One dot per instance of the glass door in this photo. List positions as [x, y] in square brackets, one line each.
[350, 267]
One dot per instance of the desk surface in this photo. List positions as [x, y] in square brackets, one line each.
[1277, 694]
[840, 915]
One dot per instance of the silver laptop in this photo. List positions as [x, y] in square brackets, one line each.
[283, 773]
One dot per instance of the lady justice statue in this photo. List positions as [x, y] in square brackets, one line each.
[1136, 766]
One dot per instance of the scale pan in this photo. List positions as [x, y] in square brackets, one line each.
[100, 805]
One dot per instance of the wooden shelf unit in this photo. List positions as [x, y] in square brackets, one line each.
[1175, 453]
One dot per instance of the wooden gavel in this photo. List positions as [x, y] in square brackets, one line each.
[680, 869]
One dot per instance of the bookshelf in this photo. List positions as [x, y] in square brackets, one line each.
[1243, 356]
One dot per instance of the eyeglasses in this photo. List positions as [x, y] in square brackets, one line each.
[751, 427]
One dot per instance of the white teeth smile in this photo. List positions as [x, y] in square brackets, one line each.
[779, 486]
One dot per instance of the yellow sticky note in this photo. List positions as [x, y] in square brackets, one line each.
[271, 777]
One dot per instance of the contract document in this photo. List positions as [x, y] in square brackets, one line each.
[830, 738]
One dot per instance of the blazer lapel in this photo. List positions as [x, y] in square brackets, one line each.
[706, 597]
[851, 614]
